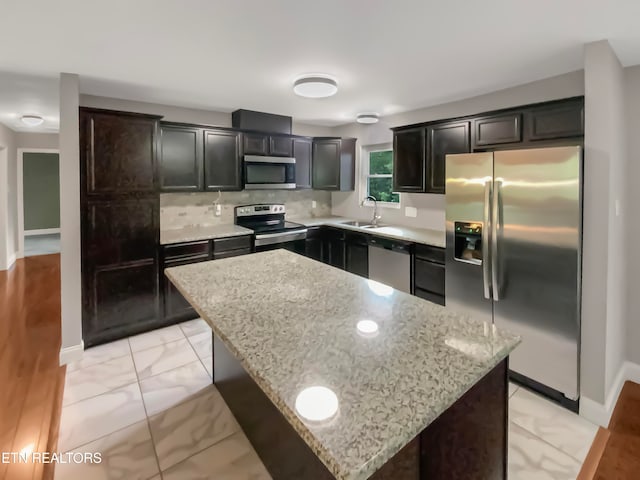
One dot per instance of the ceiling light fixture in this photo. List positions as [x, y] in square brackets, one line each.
[32, 120]
[315, 85]
[371, 117]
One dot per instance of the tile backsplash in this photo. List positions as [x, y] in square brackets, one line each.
[178, 210]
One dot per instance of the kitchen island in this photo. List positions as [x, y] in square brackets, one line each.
[334, 376]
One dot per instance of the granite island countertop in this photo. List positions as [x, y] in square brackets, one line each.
[291, 322]
[435, 238]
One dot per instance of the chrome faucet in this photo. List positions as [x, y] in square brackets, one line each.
[376, 217]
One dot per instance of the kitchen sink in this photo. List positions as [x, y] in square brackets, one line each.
[363, 224]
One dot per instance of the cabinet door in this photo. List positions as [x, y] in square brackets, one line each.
[409, 160]
[556, 121]
[334, 248]
[180, 158]
[176, 307]
[358, 259]
[222, 160]
[326, 164]
[118, 153]
[497, 129]
[119, 268]
[255, 144]
[302, 154]
[347, 164]
[280, 146]
[442, 140]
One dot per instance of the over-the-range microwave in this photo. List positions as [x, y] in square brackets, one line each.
[268, 173]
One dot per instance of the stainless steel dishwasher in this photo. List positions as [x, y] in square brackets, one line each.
[390, 262]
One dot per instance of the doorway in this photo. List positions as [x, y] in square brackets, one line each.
[38, 202]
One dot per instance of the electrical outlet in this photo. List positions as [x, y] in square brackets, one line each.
[410, 211]
[218, 210]
[314, 204]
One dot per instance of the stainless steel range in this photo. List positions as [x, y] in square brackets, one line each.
[270, 228]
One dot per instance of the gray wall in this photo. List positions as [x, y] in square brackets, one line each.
[603, 296]
[41, 191]
[69, 141]
[632, 254]
[8, 203]
[430, 206]
[37, 140]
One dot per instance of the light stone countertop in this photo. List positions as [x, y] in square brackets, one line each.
[192, 234]
[435, 238]
[291, 322]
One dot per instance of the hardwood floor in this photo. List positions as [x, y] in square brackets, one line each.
[31, 380]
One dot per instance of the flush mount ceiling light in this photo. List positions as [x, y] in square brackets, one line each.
[315, 85]
[370, 117]
[32, 120]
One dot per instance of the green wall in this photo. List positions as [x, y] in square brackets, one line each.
[41, 181]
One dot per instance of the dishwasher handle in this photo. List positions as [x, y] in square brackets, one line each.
[393, 245]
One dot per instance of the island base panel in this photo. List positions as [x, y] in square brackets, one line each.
[468, 441]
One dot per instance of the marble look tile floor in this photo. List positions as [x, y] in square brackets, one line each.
[147, 404]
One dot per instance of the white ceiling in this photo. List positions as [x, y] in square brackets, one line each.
[388, 56]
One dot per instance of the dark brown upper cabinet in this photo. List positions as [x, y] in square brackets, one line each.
[181, 158]
[302, 151]
[222, 160]
[255, 144]
[119, 152]
[497, 129]
[272, 145]
[442, 140]
[554, 121]
[333, 164]
[280, 146]
[409, 160]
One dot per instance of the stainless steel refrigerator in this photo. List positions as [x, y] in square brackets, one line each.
[514, 230]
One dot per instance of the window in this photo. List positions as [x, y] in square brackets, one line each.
[378, 170]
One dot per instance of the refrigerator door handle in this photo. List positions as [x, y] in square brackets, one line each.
[495, 229]
[486, 239]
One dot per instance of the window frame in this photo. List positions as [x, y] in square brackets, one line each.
[365, 175]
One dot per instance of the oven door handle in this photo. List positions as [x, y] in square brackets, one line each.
[280, 237]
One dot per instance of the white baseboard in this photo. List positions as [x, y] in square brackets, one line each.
[11, 260]
[42, 231]
[71, 354]
[601, 414]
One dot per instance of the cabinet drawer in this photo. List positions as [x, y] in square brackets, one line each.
[497, 129]
[429, 253]
[429, 276]
[432, 297]
[231, 253]
[231, 243]
[191, 249]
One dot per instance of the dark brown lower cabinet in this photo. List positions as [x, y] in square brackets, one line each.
[357, 254]
[333, 249]
[175, 307]
[428, 273]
